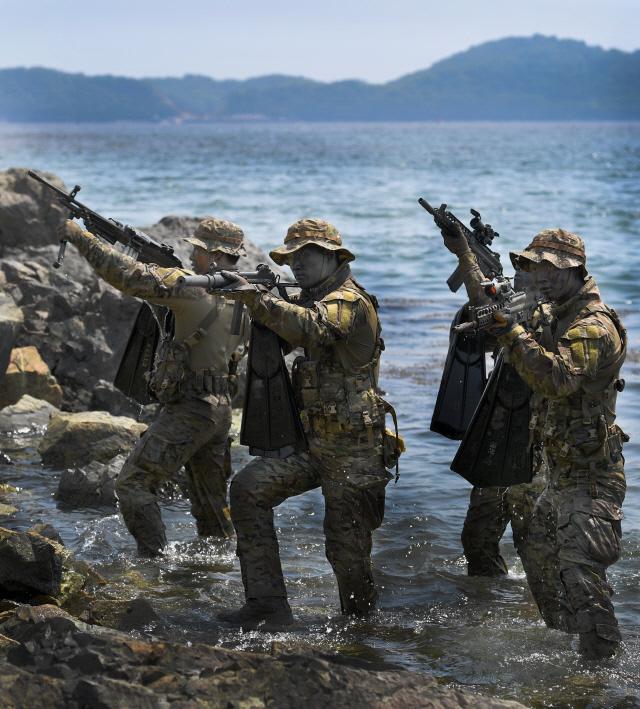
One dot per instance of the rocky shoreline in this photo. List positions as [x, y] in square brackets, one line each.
[65, 640]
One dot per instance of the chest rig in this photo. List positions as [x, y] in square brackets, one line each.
[579, 432]
[172, 376]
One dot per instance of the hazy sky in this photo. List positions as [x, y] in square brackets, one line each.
[323, 39]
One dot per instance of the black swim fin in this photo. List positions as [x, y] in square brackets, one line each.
[271, 425]
[496, 450]
[132, 377]
[463, 381]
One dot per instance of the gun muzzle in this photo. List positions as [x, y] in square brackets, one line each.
[425, 205]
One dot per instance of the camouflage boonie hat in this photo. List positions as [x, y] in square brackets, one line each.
[218, 235]
[310, 231]
[561, 248]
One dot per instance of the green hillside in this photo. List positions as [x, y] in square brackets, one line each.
[532, 78]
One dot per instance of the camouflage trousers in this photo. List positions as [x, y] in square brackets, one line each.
[193, 433]
[490, 510]
[573, 538]
[352, 477]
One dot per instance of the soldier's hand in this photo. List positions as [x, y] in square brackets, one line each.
[69, 231]
[455, 240]
[239, 288]
[503, 323]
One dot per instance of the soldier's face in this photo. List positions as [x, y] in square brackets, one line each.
[200, 260]
[556, 284]
[312, 264]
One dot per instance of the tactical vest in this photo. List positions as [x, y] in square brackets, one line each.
[578, 432]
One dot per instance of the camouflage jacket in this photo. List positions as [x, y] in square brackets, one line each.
[575, 382]
[206, 357]
[337, 325]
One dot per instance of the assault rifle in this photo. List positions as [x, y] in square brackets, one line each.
[517, 305]
[479, 238]
[262, 276]
[137, 244]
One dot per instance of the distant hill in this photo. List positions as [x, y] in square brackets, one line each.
[519, 78]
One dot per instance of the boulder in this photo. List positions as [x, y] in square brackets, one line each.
[80, 438]
[27, 416]
[29, 213]
[11, 320]
[28, 373]
[30, 564]
[93, 485]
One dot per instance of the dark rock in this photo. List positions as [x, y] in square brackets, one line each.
[93, 485]
[11, 320]
[30, 564]
[138, 614]
[28, 214]
[111, 669]
[48, 531]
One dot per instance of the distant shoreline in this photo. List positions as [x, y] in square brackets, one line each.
[532, 79]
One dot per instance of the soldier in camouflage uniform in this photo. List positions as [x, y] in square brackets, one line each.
[335, 320]
[575, 531]
[190, 379]
[572, 368]
[491, 509]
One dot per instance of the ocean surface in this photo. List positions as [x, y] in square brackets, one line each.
[483, 634]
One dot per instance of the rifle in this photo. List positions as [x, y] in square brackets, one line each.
[479, 238]
[518, 305]
[137, 244]
[263, 276]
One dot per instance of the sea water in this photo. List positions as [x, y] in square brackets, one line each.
[484, 634]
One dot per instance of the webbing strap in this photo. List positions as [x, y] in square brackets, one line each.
[202, 328]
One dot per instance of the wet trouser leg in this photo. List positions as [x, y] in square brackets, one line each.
[485, 523]
[208, 471]
[169, 442]
[351, 515]
[569, 552]
[259, 487]
[521, 501]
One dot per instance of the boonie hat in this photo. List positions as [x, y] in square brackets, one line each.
[214, 234]
[561, 248]
[310, 231]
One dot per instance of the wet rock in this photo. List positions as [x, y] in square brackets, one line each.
[28, 374]
[30, 564]
[26, 419]
[124, 615]
[48, 531]
[92, 485]
[28, 214]
[80, 438]
[11, 320]
[7, 510]
[98, 667]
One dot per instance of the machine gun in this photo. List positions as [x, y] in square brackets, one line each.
[517, 305]
[479, 238]
[137, 244]
[271, 424]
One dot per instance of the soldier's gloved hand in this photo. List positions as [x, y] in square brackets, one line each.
[503, 324]
[455, 240]
[239, 288]
[70, 231]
